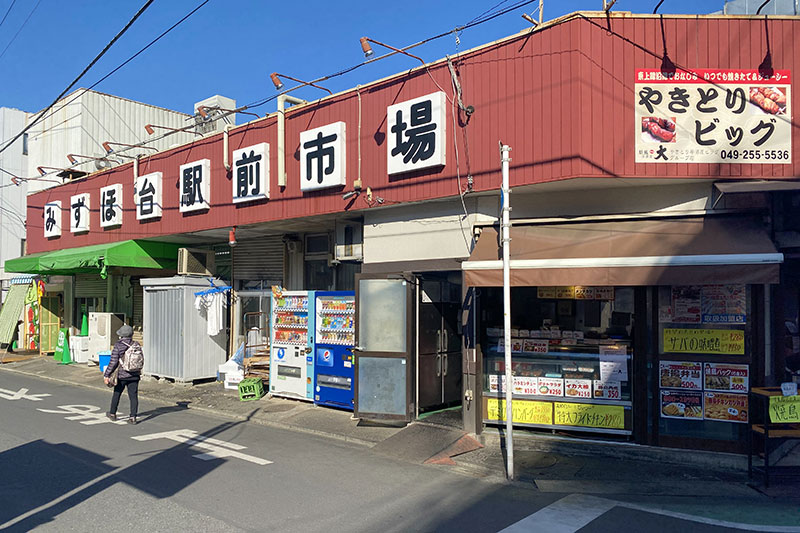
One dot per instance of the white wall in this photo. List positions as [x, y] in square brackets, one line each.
[12, 197]
[84, 121]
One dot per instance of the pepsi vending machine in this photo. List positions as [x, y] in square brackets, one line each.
[291, 368]
[335, 337]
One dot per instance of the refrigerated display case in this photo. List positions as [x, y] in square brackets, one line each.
[335, 337]
[292, 360]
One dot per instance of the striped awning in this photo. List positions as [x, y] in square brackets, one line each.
[22, 280]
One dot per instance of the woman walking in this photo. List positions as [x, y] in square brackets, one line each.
[124, 377]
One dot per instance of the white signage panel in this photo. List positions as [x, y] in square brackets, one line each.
[111, 206]
[195, 186]
[148, 196]
[79, 209]
[322, 157]
[416, 132]
[52, 219]
[251, 173]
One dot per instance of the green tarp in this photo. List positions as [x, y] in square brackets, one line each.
[98, 258]
[11, 312]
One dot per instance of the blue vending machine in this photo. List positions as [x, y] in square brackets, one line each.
[334, 321]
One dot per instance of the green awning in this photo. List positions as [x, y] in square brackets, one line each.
[98, 258]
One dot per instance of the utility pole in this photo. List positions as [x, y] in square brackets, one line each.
[508, 388]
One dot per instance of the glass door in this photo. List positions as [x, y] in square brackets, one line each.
[383, 352]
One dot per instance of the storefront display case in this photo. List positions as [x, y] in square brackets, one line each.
[574, 370]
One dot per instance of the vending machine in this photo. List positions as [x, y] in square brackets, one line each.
[291, 373]
[335, 337]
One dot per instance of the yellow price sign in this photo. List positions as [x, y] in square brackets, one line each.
[523, 411]
[565, 293]
[589, 415]
[712, 341]
[784, 409]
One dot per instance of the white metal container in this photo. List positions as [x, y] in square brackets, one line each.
[176, 343]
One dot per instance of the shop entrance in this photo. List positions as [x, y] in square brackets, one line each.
[50, 321]
[439, 341]
[384, 347]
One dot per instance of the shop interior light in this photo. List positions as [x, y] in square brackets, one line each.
[276, 80]
[368, 49]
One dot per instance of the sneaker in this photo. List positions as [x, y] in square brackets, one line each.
[111, 416]
[132, 420]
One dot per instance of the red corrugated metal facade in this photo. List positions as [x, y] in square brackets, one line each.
[562, 97]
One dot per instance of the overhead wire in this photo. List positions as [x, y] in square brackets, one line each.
[8, 11]
[20, 28]
[110, 73]
[85, 70]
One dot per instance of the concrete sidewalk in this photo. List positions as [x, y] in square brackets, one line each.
[550, 463]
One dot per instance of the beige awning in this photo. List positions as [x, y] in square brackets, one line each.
[697, 250]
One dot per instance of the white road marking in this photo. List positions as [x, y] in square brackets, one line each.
[216, 449]
[89, 415]
[571, 513]
[21, 394]
[566, 515]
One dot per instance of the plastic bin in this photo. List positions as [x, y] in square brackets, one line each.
[250, 389]
[105, 359]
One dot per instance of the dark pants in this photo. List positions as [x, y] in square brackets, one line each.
[133, 395]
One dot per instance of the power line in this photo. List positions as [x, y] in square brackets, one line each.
[85, 70]
[134, 56]
[7, 12]
[20, 28]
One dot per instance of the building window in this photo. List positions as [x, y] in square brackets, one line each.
[24, 144]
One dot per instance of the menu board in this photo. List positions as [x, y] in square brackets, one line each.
[535, 345]
[682, 404]
[607, 390]
[550, 387]
[726, 377]
[681, 375]
[725, 407]
[578, 388]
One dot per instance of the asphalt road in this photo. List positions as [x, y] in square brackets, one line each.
[65, 467]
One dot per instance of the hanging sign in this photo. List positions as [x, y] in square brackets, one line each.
[79, 209]
[322, 157]
[52, 219]
[111, 206]
[147, 196]
[251, 173]
[416, 133]
[713, 116]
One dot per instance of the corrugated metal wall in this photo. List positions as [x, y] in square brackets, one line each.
[260, 259]
[561, 97]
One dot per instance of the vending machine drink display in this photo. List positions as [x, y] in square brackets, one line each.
[335, 334]
[292, 360]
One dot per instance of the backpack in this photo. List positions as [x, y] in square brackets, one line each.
[133, 358]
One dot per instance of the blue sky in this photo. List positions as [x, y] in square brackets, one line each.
[230, 47]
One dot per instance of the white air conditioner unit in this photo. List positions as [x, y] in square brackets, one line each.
[193, 262]
[349, 241]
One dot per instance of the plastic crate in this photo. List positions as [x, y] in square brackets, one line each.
[250, 389]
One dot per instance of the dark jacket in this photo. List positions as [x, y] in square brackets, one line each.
[120, 348]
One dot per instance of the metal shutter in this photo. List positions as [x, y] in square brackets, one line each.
[137, 320]
[90, 286]
[260, 259]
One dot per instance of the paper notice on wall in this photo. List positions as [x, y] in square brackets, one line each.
[613, 363]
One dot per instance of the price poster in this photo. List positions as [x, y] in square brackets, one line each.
[682, 404]
[522, 384]
[784, 409]
[681, 375]
[535, 345]
[586, 415]
[565, 293]
[686, 304]
[726, 377]
[711, 341]
[724, 304]
[607, 390]
[578, 388]
[523, 411]
[725, 407]
[550, 387]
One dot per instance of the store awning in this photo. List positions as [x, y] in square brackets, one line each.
[98, 258]
[682, 251]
